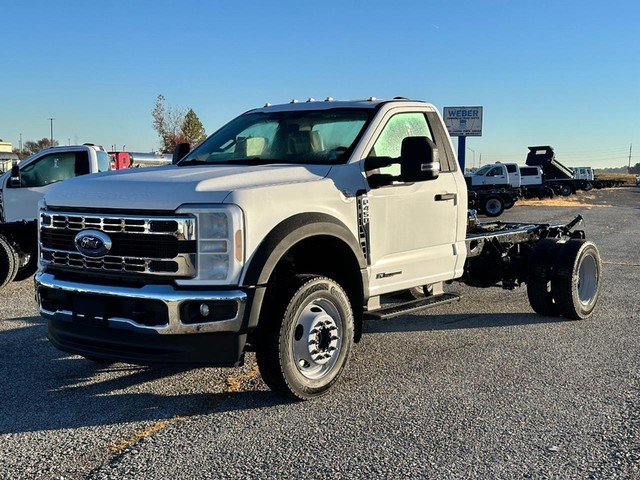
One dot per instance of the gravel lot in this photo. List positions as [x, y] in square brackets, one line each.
[483, 388]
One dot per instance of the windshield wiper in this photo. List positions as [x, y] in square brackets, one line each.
[253, 161]
[233, 161]
[193, 161]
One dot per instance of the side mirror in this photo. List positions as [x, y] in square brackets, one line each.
[420, 160]
[374, 163]
[181, 150]
[14, 180]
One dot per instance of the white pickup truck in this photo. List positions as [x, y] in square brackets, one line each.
[280, 234]
[22, 188]
[494, 187]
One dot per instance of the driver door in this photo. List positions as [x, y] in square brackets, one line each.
[412, 226]
[36, 178]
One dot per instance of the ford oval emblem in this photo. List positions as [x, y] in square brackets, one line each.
[93, 243]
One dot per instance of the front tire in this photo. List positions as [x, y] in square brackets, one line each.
[8, 262]
[493, 205]
[576, 279]
[305, 338]
[566, 190]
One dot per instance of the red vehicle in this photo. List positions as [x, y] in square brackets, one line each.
[120, 160]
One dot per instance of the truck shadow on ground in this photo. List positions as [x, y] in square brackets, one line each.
[428, 322]
[45, 389]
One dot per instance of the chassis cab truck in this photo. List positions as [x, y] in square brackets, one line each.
[279, 234]
[22, 188]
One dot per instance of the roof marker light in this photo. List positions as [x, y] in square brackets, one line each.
[328, 99]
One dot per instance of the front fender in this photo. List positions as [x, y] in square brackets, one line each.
[281, 239]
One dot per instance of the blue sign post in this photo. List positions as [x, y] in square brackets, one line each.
[462, 144]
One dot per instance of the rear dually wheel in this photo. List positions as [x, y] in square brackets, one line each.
[576, 279]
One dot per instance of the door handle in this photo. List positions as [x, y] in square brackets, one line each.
[443, 197]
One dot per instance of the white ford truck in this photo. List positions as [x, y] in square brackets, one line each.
[22, 188]
[280, 234]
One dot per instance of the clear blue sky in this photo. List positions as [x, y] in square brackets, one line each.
[562, 73]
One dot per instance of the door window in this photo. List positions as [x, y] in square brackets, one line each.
[54, 168]
[399, 127]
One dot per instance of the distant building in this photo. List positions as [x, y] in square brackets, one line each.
[7, 157]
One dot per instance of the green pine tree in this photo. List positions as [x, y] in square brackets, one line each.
[192, 130]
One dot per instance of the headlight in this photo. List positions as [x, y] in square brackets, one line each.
[220, 237]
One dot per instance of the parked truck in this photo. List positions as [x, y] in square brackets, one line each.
[280, 234]
[564, 180]
[493, 188]
[120, 160]
[22, 187]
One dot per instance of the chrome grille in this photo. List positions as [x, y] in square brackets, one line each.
[162, 245]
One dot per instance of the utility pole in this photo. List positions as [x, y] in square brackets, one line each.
[51, 119]
[473, 162]
[629, 166]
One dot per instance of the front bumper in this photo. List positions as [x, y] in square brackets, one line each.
[149, 325]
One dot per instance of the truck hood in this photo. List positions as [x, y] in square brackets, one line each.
[168, 187]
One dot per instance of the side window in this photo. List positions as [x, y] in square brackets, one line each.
[399, 127]
[495, 171]
[448, 162]
[54, 168]
[104, 161]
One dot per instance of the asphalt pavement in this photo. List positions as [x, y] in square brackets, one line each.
[482, 388]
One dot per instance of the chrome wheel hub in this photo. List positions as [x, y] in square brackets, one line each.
[317, 338]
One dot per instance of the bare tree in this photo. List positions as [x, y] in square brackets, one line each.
[167, 121]
[30, 147]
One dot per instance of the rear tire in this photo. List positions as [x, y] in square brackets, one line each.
[539, 289]
[576, 279]
[27, 266]
[8, 262]
[305, 338]
[546, 192]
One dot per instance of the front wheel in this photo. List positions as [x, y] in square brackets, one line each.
[566, 190]
[305, 338]
[8, 262]
[493, 205]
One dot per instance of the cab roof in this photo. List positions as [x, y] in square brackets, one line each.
[329, 103]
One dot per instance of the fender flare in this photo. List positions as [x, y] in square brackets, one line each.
[281, 239]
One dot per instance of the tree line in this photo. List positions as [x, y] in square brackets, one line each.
[174, 125]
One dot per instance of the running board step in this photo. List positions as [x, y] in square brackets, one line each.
[398, 309]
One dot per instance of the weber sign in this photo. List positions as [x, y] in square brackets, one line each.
[463, 121]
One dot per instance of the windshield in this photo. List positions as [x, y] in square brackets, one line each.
[483, 170]
[315, 136]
